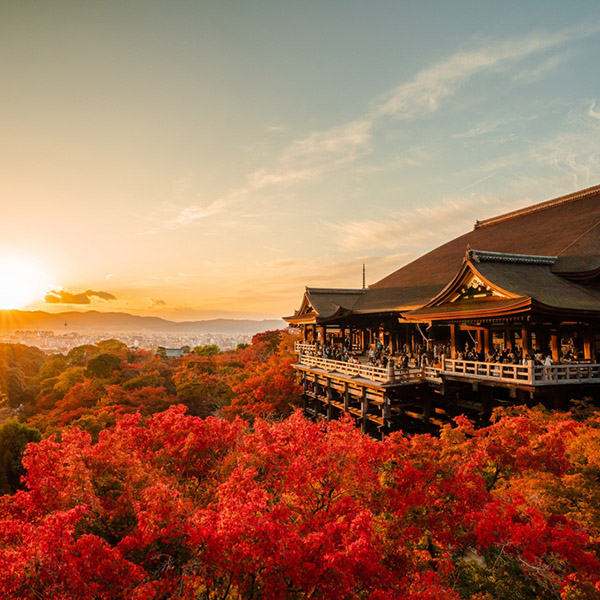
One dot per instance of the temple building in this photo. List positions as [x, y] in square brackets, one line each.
[506, 313]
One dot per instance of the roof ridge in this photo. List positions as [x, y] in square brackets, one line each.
[336, 290]
[540, 206]
[510, 257]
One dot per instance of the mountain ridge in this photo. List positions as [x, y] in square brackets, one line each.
[14, 320]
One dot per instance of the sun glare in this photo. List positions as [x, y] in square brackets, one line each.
[21, 282]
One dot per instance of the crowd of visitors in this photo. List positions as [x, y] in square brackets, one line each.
[380, 356]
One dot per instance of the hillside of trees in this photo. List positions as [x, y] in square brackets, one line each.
[197, 478]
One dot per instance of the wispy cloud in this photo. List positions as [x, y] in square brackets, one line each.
[425, 93]
[467, 187]
[593, 113]
[543, 68]
[419, 229]
[312, 156]
[68, 297]
[481, 129]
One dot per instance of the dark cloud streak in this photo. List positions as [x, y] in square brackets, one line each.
[67, 297]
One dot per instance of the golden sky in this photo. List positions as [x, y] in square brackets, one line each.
[199, 159]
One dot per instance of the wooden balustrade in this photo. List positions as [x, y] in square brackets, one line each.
[471, 370]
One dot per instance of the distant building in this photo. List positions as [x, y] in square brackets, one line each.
[507, 313]
[172, 352]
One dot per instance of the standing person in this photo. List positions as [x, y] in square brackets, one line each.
[548, 367]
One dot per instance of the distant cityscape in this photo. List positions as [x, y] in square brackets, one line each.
[54, 342]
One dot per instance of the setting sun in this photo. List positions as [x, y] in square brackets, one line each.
[21, 282]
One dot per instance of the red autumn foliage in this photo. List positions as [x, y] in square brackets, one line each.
[183, 507]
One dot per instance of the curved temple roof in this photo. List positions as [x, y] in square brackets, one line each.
[536, 253]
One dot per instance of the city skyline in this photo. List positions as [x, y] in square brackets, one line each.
[192, 160]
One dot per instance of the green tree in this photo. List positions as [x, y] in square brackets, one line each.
[14, 437]
[209, 350]
[102, 365]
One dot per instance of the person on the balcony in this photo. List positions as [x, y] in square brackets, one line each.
[548, 367]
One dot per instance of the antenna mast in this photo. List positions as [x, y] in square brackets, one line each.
[364, 287]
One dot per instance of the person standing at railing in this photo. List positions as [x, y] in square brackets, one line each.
[548, 367]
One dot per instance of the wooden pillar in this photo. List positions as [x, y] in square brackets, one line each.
[587, 344]
[304, 389]
[508, 341]
[487, 340]
[324, 335]
[480, 342]
[329, 405]
[526, 339]
[364, 405]
[453, 340]
[362, 340]
[346, 397]
[387, 410]
[555, 345]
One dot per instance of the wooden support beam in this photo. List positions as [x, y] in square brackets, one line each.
[555, 345]
[453, 340]
[587, 344]
[364, 409]
[387, 413]
[328, 394]
[487, 340]
[304, 390]
[480, 340]
[526, 339]
[346, 396]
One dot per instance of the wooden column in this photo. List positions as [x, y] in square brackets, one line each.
[587, 344]
[329, 405]
[555, 345]
[346, 397]
[364, 405]
[526, 339]
[324, 335]
[487, 340]
[304, 390]
[480, 341]
[508, 341]
[453, 340]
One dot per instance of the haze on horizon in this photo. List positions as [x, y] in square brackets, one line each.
[200, 159]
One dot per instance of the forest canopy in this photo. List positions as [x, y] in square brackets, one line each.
[197, 478]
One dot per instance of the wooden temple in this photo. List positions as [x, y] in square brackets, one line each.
[506, 313]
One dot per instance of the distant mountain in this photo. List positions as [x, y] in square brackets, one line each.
[12, 320]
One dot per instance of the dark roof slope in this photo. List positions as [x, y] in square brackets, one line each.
[566, 227]
[328, 302]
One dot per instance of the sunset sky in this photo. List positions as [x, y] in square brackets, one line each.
[193, 159]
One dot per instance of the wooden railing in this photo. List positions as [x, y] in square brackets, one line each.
[525, 374]
[472, 370]
[570, 373]
[305, 348]
[381, 374]
[486, 370]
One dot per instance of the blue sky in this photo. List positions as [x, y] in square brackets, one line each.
[208, 158]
